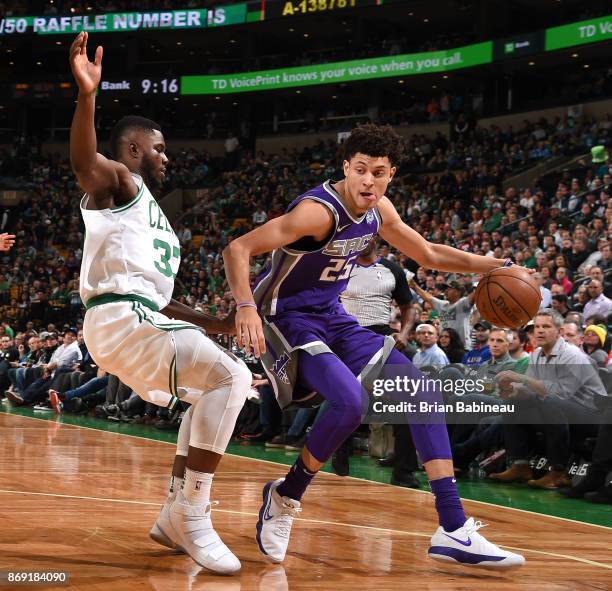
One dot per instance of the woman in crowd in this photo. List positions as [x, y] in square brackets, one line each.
[450, 342]
[593, 344]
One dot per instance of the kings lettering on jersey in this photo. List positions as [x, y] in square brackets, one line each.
[312, 280]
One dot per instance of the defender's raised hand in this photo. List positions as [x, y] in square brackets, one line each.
[6, 241]
[87, 74]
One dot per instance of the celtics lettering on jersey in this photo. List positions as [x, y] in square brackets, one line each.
[168, 254]
[131, 249]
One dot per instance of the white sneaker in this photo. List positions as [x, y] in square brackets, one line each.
[466, 546]
[162, 525]
[275, 521]
[193, 533]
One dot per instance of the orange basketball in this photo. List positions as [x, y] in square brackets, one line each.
[508, 297]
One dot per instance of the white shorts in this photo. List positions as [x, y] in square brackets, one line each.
[158, 357]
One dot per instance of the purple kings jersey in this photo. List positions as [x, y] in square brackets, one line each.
[307, 276]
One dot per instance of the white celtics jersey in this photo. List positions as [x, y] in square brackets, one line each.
[129, 250]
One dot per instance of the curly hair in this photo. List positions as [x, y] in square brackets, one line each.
[374, 140]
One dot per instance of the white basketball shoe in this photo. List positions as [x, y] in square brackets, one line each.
[275, 520]
[162, 525]
[466, 546]
[192, 532]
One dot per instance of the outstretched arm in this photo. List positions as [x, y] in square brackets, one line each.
[211, 324]
[424, 295]
[108, 182]
[307, 219]
[428, 254]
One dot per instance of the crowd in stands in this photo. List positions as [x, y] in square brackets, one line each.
[560, 229]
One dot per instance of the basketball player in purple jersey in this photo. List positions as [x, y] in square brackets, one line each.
[309, 344]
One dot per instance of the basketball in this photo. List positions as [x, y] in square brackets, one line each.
[508, 297]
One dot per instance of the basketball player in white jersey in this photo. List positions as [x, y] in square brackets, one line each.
[134, 330]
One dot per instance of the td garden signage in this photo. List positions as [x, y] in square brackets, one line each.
[125, 21]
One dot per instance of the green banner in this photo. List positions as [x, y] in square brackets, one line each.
[591, 31]
[118, 22]
[350, 71]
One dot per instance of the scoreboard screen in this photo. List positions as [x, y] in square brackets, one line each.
[287, 8]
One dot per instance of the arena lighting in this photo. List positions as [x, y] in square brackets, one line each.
[574, 55]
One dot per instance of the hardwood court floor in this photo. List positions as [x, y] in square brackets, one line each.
[82, 501]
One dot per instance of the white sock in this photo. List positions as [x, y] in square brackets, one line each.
[175, 485]
[196, 487]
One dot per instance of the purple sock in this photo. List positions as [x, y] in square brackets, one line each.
[448, 503]
[297, 480]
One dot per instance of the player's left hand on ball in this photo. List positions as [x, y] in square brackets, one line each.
[249, 331]
[6, 241]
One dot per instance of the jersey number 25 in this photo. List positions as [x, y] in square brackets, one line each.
[339, 269]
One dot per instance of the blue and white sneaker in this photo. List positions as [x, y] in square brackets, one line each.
[275, 520]
[466, 546]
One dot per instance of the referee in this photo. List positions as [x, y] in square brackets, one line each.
[374, 284]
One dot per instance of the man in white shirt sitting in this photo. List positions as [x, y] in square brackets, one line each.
[429, 352]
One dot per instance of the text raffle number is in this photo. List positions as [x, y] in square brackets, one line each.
[166, 251]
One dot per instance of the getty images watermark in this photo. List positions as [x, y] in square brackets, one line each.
[394, 390]
[547, 394]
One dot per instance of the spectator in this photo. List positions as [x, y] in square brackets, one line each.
[259, 217]
[558, 390]
[572, 333]
[62, 361]
[598, 302]
[562, 279]
[450, 343]
[429, 354]
[517, 351]
[593, 344]
[454, 312]
[480, 353]
[559, 304]
[544, 292]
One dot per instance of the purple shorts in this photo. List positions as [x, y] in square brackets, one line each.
[361, 350]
